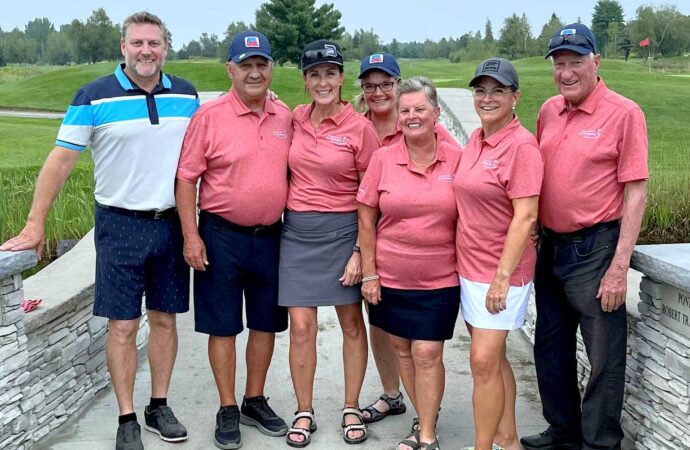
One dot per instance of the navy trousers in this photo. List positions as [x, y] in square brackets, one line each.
[569, 269]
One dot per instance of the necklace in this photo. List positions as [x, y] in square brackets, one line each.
[422, 161]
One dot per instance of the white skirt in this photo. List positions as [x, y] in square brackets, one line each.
[473, 306]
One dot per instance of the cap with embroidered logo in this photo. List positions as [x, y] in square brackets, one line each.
[575, 37]
[380, 61]
[499, 69]
[249, 43]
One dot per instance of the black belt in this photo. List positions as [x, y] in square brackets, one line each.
[581, 233]
[156, 215]
[254, 230]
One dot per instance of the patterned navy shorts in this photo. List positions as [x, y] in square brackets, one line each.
[138, 256]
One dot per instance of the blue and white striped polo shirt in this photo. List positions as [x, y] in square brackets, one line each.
[135, 137]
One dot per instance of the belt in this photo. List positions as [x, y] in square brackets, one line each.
[581, 233]
[155, 215]
[253, 230]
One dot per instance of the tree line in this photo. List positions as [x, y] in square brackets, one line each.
[290, 24]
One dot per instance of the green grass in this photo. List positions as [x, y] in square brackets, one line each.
[661, 95]
[71, 216]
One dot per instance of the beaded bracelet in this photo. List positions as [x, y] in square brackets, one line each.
[370, 278]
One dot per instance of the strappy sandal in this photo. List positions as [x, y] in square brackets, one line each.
[411, 441]
[430, 446]
[395, 407]
[415, 422]
[361, 426]
[305, 432]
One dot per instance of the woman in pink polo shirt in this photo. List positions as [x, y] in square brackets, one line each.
[320, 264]
[497, 190]
[379, 77]
[407, 220]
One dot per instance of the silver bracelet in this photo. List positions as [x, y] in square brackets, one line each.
[370, 278]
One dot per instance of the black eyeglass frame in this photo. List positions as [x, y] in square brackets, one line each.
[310, 57]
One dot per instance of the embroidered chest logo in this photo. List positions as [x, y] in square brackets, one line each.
[491, 164]
[280, 134]
[590, 134]
[337, 140]
[446, 178]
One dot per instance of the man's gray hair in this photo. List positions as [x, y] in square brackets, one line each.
[419, 84]
[145, 17]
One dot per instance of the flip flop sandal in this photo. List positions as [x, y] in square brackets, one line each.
[411, 441]
[305, 432]
[395, 407]
[361, 426]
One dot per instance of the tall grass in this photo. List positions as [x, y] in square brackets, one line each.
[71, 216]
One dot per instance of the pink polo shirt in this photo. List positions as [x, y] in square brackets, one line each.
[324, 162]
[415, 240]
[493, 172]
[241, 158]
[589, 154]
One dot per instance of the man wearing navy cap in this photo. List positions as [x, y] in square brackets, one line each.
[594, 145]
[237, 146]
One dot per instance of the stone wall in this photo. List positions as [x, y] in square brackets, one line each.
[656, 410]
[52, 360]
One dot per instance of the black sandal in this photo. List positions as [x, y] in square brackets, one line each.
[411, 441]
[430, 446]
[395, 406]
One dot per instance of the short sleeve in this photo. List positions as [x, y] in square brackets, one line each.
[525, 172]
[369, 143]
[633, 147]
[368, 193]
[192, 161]
[77, 127]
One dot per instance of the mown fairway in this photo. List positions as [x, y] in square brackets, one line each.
[662, 96]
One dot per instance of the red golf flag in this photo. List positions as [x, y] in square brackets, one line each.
[644, 42]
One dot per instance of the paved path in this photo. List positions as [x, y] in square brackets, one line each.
[194, 398]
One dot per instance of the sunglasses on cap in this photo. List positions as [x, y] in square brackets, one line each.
[572, 39]
[327, 54]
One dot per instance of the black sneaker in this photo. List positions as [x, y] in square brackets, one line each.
[163, 422]
[257, 413]
[129, 437]
[228, 428]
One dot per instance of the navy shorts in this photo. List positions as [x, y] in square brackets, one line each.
[137, 256]
[242, 260]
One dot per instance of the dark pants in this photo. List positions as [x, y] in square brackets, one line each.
[569, 269]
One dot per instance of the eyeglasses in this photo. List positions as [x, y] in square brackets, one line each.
[327, 54]
[573, 39]
[370, 88]
[493, 93]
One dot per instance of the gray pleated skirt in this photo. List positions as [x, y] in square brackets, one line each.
[314, 249]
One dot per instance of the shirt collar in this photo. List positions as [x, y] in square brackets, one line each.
[590, 103]
[337, 119]
[501, 134]
[241, 108]
[403, 158]
[128, 85]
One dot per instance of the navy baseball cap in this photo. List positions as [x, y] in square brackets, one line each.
[249, 43]
[321, 52]
[575, 37]
[380, 61]
[499, 69]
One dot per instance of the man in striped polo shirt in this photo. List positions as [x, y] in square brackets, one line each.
[134, 122]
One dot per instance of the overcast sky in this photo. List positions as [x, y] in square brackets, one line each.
[405, 20]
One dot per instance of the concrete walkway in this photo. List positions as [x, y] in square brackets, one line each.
[194, 398]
